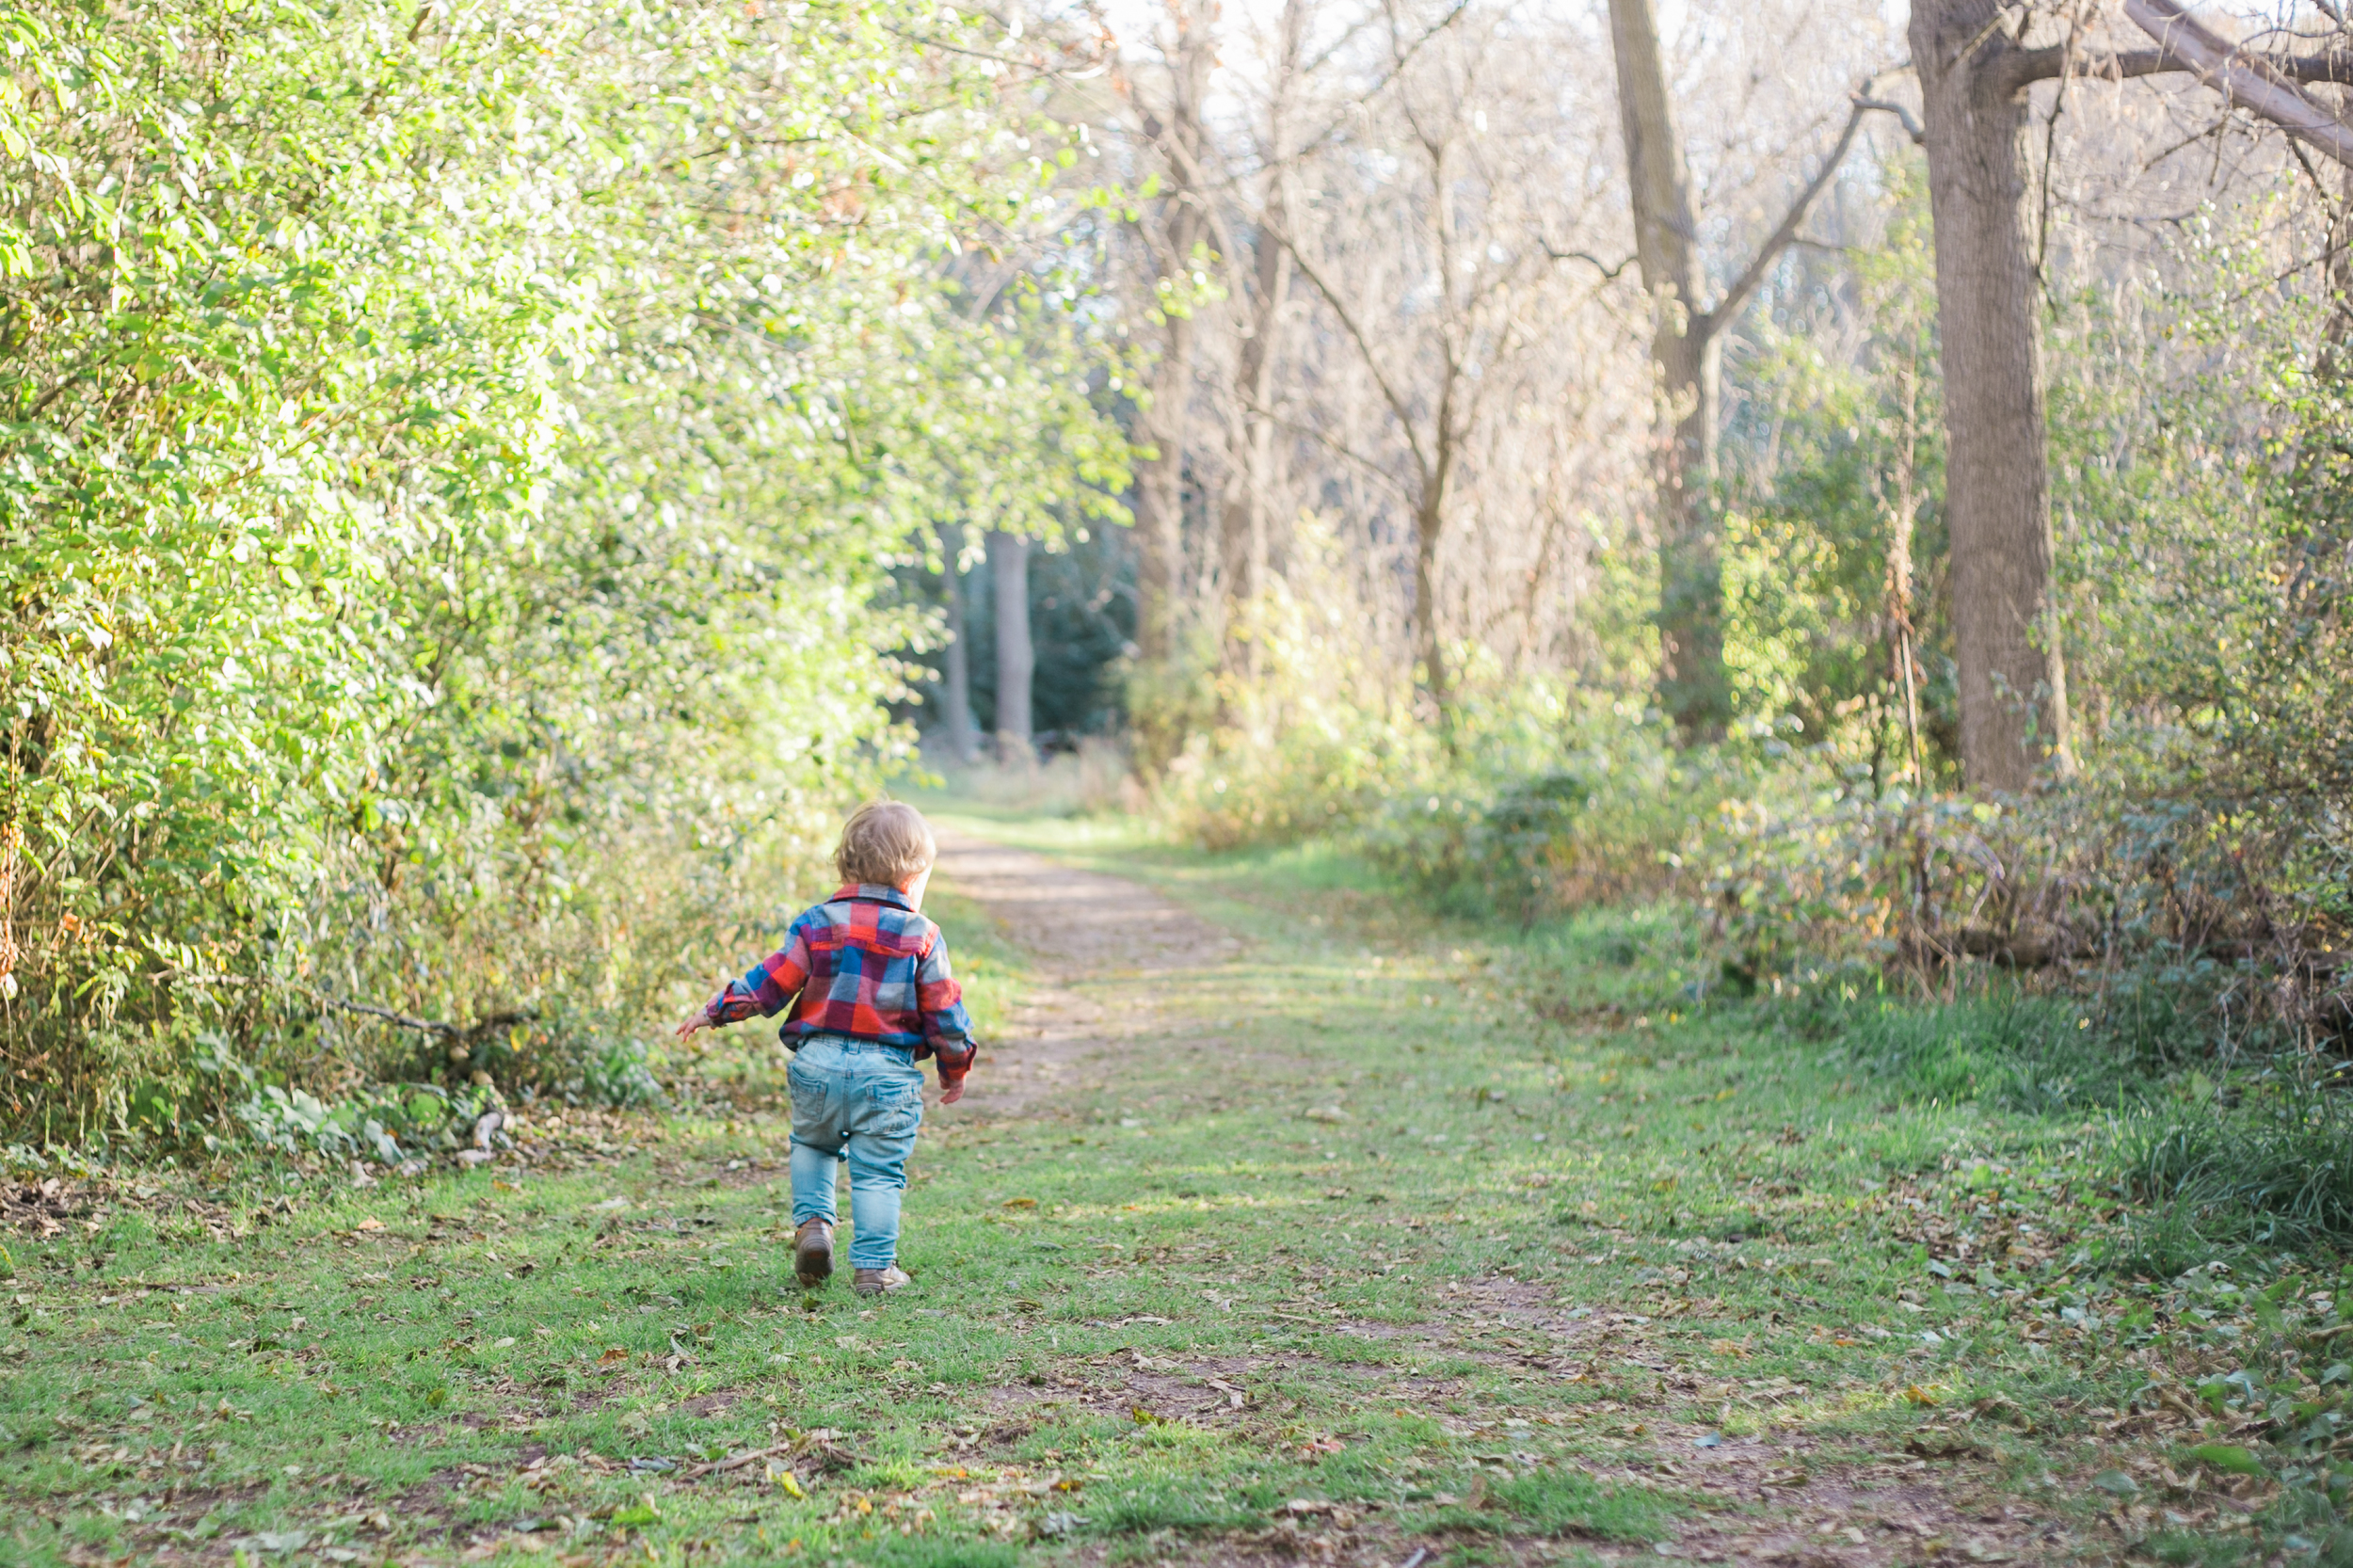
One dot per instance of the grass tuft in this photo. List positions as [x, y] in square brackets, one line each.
[2276, 1175]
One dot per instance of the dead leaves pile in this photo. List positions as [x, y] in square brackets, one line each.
[40, 1210]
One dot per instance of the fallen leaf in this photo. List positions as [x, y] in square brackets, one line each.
[1021, 1202]
[369, 1224]
[2228, 1456]
[612, 1357]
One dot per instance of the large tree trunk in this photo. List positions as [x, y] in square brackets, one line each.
[1691, 683]
[2013, 679]
[1016, 661]
[1159, 510]
[961, 736]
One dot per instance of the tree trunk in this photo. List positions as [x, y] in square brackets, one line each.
[961, 737]
[1429, 530]
[1243, 532]
[1016, 661]
[1242, 527]
[1429, 652]
[1691, 686]
[2013, 679]
[1159, 510]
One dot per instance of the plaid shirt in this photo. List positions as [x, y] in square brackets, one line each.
[866, 965]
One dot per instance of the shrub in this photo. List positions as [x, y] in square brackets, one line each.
[1555, 801]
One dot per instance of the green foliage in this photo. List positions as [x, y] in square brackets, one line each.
[452, 464]
[1555, 800]
[1833, 515]
[2269, 1172]
[2010, 1050]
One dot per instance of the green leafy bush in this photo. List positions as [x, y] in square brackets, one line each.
[1553, 801]
[463, 585]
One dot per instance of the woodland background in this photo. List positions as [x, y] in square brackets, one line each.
[482, 488]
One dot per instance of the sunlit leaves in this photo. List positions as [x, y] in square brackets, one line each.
[448, 464]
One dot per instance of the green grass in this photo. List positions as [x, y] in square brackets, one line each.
[1485, 1230]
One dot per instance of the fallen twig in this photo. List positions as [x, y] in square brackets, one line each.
[734, 1462]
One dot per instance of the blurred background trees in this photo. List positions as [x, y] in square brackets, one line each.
[482, 490]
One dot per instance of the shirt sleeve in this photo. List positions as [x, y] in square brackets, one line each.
[947, 1027]
[768, 988]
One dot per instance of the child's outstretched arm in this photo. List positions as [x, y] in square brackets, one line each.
[947, 1027]
[767, 988]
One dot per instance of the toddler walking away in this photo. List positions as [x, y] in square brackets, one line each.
[874, 998]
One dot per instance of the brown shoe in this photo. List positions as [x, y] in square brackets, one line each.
[812, 1253]
[873, 1282]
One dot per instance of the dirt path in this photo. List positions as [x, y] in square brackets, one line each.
[1114, 964]
[1082, 928]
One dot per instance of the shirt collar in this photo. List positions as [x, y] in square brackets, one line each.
[875, 892]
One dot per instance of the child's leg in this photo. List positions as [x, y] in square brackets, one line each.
[812, 1182]
[890, 1108]
[819, 1101]
[878, 1178]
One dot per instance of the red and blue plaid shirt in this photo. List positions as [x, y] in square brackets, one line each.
[866, 965]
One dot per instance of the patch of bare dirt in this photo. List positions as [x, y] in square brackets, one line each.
[1078, 926]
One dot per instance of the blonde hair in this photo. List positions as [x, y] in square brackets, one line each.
[886, 841]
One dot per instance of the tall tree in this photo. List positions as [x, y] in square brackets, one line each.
[1973, 75]
[1017, 658]
[1242, 523]
[1686, 345]
[1175, 133]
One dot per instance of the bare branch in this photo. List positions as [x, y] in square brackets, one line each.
[1401, 59]
[1399, 408]
[1609, 274]
[2021, 68]
[1752, 275]
[1912, 128]
[2250, 81]
[1332, 443]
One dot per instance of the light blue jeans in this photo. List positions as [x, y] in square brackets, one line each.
[862, 1102]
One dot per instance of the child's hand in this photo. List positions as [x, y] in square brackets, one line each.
[950, 1093]
[699, 1021]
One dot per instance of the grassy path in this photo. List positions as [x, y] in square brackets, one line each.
[1281, 1227]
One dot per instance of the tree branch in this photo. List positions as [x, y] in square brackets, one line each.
[1609, 274]
[1727, 309]
[1337, 446]
[1397, 406]
[1912, 128]
[2021, 68]
[469, 1033]
[2250, 81]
